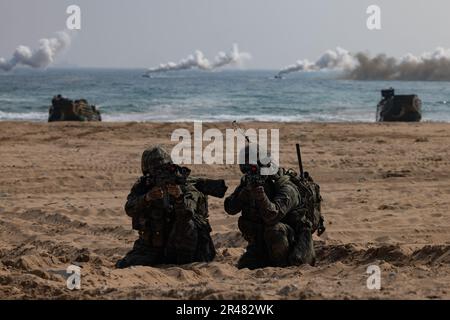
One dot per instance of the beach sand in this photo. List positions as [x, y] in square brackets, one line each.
[386, 190]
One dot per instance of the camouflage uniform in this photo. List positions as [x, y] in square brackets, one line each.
[178, 235]
[278, 234]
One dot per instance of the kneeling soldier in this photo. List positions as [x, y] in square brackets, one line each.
[170, 213]
[272, 220]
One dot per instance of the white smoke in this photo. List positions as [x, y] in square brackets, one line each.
[330, 60]
[42, 57]
[232, 58]
[199, 61]
[433, 66]
[430, 66]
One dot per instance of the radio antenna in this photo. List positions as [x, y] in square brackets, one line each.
[239, 129]
[299, 158]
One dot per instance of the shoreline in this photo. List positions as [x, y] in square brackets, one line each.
[222, 122]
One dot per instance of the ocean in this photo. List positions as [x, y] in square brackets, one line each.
[124, 95]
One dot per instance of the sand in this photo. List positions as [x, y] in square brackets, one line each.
[386, 198]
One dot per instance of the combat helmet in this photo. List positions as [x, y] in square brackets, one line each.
[250, 162]
[154, 157]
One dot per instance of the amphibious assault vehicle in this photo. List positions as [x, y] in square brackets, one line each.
[64, 109]
[392, 107]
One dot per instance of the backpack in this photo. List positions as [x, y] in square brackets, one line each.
[311, 199]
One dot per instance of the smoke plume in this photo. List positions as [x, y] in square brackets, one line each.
[199, 61]
[41, 57]
[430, 66]
[331, 60]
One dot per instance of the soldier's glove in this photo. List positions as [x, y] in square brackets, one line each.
[268, 209]
[247, 190]
[156, 193]
[259, 193]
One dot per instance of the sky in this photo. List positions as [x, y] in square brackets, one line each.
[145, 33]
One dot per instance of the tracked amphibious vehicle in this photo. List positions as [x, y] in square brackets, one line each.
[63, 109]
[392, 107]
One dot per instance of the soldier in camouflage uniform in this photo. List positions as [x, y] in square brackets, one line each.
[278, 234]
[174, 232]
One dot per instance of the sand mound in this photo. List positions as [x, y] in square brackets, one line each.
[399, 255]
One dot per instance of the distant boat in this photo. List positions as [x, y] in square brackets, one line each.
[279, 77]
[146, 75]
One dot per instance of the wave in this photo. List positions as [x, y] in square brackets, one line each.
[151, 117]
[27, 116]
[16, 100]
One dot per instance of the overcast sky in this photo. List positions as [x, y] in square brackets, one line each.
[145, 33]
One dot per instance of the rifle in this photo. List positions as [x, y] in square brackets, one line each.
[172, 174]
[165, 175]
[237, 128]
[211, 187]
[168, 174]
[253, 175]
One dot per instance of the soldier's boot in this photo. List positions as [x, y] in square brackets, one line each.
[303, 250]
[141, 255]
[278, 238]
[182, 243]
[253, 258]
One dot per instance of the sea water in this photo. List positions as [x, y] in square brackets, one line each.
[124, 95]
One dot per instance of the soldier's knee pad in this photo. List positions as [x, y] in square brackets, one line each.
[277, 232]
[303, 251]
[185, 237]
[277, 242]
[182, 244]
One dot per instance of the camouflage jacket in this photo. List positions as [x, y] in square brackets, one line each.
[148, 215]
[279, 201]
